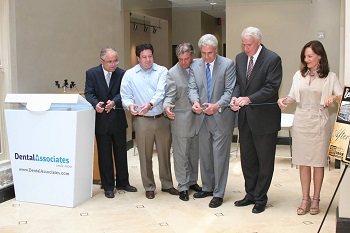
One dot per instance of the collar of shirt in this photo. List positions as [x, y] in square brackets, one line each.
[139, 69]
[105, 72]
[256, 55]
[210, 67]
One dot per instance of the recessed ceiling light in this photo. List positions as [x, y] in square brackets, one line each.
[213, 3]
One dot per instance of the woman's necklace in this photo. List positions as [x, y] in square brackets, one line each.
[312, 75]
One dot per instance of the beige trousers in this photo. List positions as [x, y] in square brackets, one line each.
[149, 131]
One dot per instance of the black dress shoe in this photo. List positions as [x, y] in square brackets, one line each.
[172, 191]
[196, 188]
[215, 202]
[109, 194]
[202, 194]
[184, 195]
[244, 202]
[150, 194]
[258, 208]
[128, 188]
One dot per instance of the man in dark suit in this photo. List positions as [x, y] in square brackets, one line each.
[212, 80]
[102, 90]
[259, 76]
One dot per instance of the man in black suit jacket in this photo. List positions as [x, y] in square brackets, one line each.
[102, 90]
[259, 118]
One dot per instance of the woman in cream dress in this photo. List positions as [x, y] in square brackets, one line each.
[314, 88]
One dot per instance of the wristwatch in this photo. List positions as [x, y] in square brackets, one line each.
[219, 110]
[151, 105]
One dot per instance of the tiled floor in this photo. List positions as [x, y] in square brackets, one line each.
[132, 212]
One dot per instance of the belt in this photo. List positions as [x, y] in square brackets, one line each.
[154, 117]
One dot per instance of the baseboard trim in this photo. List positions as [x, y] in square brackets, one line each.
[129, 144]
[343, 224]
[7, 193]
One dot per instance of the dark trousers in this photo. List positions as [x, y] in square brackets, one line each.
[257, 160]
[105, 143]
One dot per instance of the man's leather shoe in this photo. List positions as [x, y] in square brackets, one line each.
[172, 191]
[258, 208]
[109, 194]
[184, 195]
[150, 194]
[196, 188]
[202, 194]
[128, 188]
[244, 202]
[215, 202]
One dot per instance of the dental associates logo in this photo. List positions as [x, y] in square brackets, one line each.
[38, 158]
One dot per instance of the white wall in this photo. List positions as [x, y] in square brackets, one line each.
[187, 28]
[57, 40]
[286, 28]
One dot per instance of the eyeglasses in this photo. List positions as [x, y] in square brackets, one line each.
[111, 62]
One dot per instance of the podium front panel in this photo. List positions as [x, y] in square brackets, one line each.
[51, 155]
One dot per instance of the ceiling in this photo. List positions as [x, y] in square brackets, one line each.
[217, 10]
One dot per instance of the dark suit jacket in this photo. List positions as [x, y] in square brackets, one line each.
[262, 87]
[96, 90]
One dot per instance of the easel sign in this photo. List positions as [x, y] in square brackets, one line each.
[339, 145]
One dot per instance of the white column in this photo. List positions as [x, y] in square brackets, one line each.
[344, 189]
[346, 64]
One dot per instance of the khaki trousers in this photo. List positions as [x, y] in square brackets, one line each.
[150, 131]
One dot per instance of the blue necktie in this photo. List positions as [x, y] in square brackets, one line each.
[207, 71]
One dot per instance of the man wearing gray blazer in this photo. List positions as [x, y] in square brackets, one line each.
[177, 107]
[212, 80]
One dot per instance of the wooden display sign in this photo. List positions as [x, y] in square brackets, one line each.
[339, 145]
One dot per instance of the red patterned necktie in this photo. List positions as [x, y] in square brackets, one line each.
[250, 67]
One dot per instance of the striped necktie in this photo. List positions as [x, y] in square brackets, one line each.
[208, 74]
[250, 67]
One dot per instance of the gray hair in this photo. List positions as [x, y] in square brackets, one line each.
[183, 48]
[252, 32]
[208, 39]
[105, 50]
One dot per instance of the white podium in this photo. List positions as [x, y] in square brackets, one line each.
[344, 190]
[51, 142]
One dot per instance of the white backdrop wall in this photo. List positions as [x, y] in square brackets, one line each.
[286, 28]
[57, 40]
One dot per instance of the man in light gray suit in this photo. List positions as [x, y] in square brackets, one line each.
[212, 80]
[178, 108]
